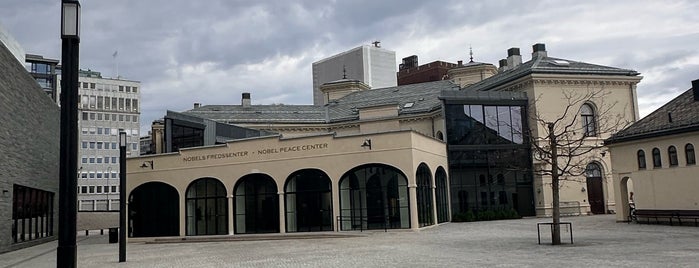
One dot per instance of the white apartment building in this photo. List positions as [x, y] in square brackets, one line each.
[106, 107]
[372, 65]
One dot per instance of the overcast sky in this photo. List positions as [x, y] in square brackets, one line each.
[212, 51]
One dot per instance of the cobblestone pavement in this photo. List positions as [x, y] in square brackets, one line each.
[598, 242]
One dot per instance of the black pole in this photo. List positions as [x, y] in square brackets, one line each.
[122, 196]
[68, 178]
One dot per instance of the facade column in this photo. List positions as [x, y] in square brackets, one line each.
[282, 214]
[412, 192]
[434, 204]
[183, 214]
[231, 215]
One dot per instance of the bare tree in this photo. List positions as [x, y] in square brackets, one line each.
[565, 147]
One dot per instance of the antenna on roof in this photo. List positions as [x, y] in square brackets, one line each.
[344, 72]
[470, 51]
[376, 43]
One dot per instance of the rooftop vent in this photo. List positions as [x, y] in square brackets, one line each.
[197, 105]
[513, 58]
[539, 51]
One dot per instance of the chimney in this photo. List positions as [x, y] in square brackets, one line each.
[197, 105]
[695, 89]
[503, 65]
[539, 51]
[460, 63]
[246, 100]
[513, 58]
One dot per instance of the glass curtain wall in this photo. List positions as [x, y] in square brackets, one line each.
[442, 195]
[256, 204]
[154, 210]
[374, 196]
[308, 200]
[489, 158]
[206, 208]
[425, 215]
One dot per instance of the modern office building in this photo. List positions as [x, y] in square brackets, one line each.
[107, 106]
[45, 72]
[655, 159]
[29, 161]
[372, 65]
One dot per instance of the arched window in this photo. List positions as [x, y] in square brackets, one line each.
[587, 115]
[206, 208]
[657, 163]
[689, 154]
[256, 205]
[440, 136]
[374, 196]
[672, 155]
[424, 195]
[641, 156]
[308, 199]
[441, 195]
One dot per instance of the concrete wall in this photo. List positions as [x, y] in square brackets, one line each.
[29, 142]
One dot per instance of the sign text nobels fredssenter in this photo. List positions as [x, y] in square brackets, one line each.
[265, 151]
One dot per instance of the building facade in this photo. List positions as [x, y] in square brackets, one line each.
[106, 107]
[45, 72]
[390, 180]
[489, 126]
[372, 65]
[29, 162]
[654, 159]
[593, 99]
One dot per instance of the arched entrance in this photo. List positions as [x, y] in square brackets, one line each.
[256, 205]
[627, 198]
[441, 193]
[206, 207]
[595, 190]
[308, 200]
[374, 196]
[154, 210]
[423, 176]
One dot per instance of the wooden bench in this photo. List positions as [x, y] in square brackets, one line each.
[670, 214]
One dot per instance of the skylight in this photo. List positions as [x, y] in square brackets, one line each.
[408, 105]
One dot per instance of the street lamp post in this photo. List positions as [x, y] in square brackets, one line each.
[68, 176]
[122, 196]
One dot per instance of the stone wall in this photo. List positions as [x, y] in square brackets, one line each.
[29, 143]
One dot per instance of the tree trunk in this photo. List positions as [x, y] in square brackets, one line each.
[556, 227]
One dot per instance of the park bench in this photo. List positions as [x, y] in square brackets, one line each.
[669, 214]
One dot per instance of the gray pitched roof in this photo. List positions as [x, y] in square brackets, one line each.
[548, 65]
[424, 97]
[683, 110]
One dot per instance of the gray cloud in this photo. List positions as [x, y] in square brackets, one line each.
[211, 51]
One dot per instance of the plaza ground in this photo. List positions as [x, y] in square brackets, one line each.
[599, 241]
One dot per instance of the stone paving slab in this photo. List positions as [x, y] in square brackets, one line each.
[599, 242]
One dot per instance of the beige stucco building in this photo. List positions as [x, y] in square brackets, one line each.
[655, 159]
[477, 137]
[310, 179]
[551, 84]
